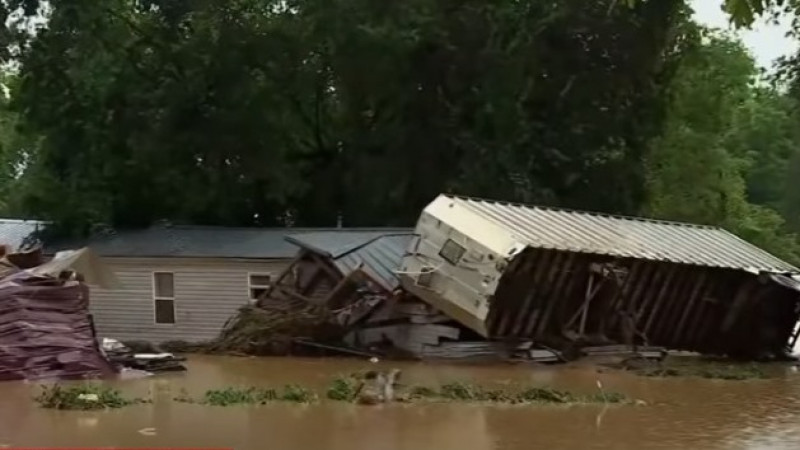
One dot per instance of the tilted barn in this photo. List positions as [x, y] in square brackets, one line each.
[513, 271]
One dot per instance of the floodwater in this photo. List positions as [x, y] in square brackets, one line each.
[682, 413]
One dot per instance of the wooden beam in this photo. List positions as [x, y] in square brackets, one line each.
[280, 278]
[339, 287]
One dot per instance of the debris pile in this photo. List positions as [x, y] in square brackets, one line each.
[271, 328]
[149, 361]
[46, 331]
[348, 300]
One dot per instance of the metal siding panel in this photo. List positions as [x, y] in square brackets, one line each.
[13, 233]
[207, 293]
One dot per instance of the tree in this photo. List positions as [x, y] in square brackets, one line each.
[219, 113]
[727, 167]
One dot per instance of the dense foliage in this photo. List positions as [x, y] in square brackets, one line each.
[253, 112]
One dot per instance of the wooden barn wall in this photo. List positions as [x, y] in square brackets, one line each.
[710, 310]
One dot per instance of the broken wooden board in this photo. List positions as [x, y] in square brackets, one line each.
[625, 350]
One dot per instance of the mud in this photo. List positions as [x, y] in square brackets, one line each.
[682, 412]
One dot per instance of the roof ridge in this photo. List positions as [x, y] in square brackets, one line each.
[371, 241]
[586, 212]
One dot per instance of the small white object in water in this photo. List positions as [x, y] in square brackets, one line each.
[88, 422]
[374, 359]
[88, 397]
[148, 431]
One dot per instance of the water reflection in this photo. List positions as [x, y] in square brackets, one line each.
[682, 413]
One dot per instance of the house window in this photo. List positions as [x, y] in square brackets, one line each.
[452, 252]
[259, 283]
[164, 297]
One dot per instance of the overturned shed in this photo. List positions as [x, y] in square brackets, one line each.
[512, 271]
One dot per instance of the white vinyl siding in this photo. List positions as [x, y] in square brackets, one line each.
[206, 293]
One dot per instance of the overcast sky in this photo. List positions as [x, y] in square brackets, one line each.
[765, 41]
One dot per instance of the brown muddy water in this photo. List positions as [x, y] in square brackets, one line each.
[683, 413]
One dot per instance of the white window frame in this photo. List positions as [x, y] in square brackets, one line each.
[158, 297]
[251, 286]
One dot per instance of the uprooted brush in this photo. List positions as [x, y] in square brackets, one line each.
[270, 329]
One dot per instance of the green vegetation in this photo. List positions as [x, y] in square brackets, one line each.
[251, 396]
[730, 372]
[83, 397]
[294, 113]
[343, 388]
[473, 393]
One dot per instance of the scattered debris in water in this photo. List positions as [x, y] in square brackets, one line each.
[458, 391]
[712, 373]
[83, 397]
[141, 356]
[712, 370]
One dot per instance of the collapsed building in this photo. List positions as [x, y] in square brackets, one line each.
[518, 272]
[354, 276]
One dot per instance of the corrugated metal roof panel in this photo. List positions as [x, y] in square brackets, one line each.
[334, 243]
[380, 252]
[632, 237]
[14, 232]
[196, 242]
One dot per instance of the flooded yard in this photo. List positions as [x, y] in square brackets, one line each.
[681, 412]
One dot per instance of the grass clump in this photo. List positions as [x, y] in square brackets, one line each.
[298, 394]
[83, 397]
[231, 396]
[343, 389]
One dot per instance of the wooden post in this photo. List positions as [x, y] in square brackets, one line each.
[280, 278]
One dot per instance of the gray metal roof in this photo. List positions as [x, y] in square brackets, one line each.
[380, 252]
[632, 237]
[193, 242]
[14, 232]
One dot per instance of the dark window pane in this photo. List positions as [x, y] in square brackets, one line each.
[255, 293]
[260, 280]
[165, 311]
[164, 284]
[452, 252]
